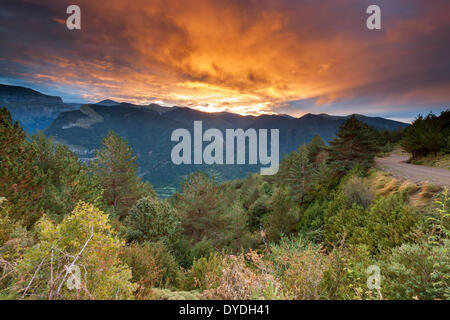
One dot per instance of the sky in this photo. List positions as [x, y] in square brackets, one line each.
[248, 57]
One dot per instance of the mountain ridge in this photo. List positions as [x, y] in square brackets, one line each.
[148, 129]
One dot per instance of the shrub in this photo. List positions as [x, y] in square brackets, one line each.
[165, 294]
[391, 221]
[282, 217]
[312, 220]
[152, 220]
[346, 277]
[300, 266]
[86, 239]
[170, 275]
[205, 272]
[144, 267]
[387, 223]
[358, 192]
[417, 271]
[240, 282]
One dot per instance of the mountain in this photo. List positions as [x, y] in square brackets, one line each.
[107, 103]
[34, 110]
[148, 130]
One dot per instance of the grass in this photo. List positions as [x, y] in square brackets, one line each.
[420, 195]
[439, 161]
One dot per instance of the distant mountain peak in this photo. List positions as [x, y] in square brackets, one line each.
[108, 103]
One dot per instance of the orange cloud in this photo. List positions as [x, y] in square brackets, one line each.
[248, 57]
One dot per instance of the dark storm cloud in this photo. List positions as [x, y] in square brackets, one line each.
[241, 56]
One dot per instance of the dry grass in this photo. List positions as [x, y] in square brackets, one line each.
[420, 195]
[383, 183]
[408, 187]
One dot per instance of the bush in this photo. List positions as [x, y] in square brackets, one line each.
[170, 275]
[346, 277]
[86, 234]
[282, 217]
[144, 267]
[387, 223]
[300, 266]
[205, 272]
[240, 282]
[312, 220]
[391, 221]
[417, 271]
[358, 192]
[152, 220]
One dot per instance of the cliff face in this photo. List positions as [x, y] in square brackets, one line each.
[34, 110]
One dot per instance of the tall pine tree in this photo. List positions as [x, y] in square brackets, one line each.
[301, 175]
[115, 168]
[353, 145]
[200, 206]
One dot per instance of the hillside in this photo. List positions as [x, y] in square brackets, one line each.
[34, 110]
[148, 130]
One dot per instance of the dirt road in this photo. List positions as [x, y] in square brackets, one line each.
[395, 164]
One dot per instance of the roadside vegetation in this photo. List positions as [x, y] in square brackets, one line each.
[427, 140]
[309, 232]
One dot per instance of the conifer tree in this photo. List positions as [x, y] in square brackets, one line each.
[115, 168]
[200, 207]
[353, 145]
[301, 175]
[315, 147]
[21, 181]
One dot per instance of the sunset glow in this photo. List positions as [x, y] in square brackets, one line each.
[248, 57]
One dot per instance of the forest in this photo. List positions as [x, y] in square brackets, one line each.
[312, 231]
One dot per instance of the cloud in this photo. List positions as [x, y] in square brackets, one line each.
[241, 56]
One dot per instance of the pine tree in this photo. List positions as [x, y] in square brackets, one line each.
[315, 147]
[200, 207]
[301, 175]
[353, 145]
[115, 168]
[21, 181]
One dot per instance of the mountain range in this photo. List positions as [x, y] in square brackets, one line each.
[148, 130]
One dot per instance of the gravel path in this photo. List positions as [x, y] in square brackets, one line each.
[395, 164]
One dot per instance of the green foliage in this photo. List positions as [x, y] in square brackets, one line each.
[428, 135]
[68, 181]
[115, 168]
[166, 294]
[301, 176]
[21, 181]
[419, 271]
[205, 272]
[345, 277]
[86, 239]
[354, 145]
[282, 217]
[152, 220]
[144, 267]
[300, 266]
[6, 225]
[170, 275]
[387, 223]
[201, 208]
[440, 221]
[315, 147]
[312, 220]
